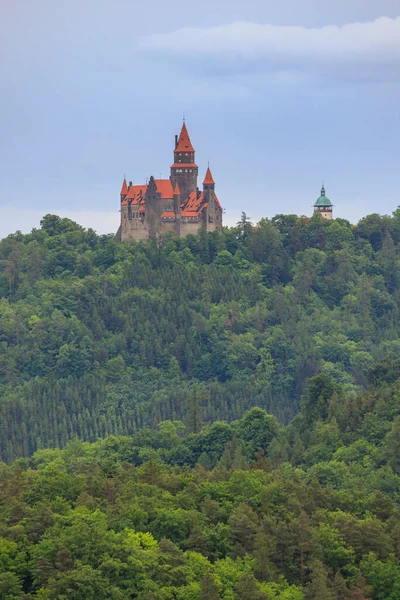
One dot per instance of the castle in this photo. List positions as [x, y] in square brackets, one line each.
[175, 204]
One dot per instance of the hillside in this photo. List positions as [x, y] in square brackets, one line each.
[242, 511]
[100, 338]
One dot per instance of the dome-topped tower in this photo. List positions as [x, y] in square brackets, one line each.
[324, 206]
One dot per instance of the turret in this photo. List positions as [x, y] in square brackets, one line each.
[177, 209]
[184, 170]
[209, 199]
[124, 190]
[153, 208]
[177, 199]
[324, 206]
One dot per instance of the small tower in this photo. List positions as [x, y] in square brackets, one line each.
[209, 200]
[324, 206]
[124, 190]
[184, 171]
[177, 209]
[153, 208]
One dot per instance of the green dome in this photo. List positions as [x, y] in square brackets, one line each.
[323, 200]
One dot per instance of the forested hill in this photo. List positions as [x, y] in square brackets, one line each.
[100, 338]
[241, 511]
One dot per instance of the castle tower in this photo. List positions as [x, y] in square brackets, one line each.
[153, 208]
[124, 190]
[324, 206]
[184, 170]
[209, 199]
[177, 209]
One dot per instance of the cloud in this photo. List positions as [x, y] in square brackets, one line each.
[363, 50]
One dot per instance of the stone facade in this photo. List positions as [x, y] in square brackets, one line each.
[175, 204]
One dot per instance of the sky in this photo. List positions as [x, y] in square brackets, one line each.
[278, 97]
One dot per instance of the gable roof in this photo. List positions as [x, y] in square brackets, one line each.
[195, 202]
[137, 193]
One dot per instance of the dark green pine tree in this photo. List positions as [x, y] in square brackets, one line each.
[194, 413]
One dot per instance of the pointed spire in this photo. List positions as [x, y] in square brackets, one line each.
[184, 143]
[323, 190]
[208, 178]
[124, 189]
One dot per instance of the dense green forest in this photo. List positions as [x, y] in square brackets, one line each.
[101, 338]
[214, 417]
[248, 510]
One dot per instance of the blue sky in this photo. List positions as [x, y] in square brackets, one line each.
[278, 96]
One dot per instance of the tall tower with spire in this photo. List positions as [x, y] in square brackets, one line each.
[184, 170]
[323, 206]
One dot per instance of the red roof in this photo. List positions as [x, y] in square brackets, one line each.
[209, 178]
[164, 186]
[196, 202]
[192, 206]
[168, 213]
[124, 189]
[184, 143]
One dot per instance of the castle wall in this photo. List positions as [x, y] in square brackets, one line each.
[324, 212]
[168, 226]
[218, 219]
[192, 227]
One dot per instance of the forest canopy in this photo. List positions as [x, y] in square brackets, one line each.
[100, 338]
[202, 418]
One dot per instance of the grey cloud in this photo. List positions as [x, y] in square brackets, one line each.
[364, 51]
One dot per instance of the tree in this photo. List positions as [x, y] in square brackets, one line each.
[248, 588]
[209, 588]
[318, 588]
[194, 414]
[392, 446]
[257, 429]
[315, 401]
